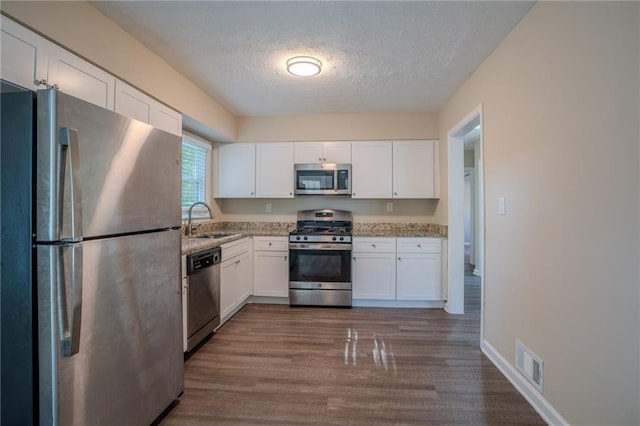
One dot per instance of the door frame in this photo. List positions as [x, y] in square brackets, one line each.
[455, 268]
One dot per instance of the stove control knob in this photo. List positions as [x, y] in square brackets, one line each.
[334, 238]
[297, 238]
[341, 238]
[305, 238]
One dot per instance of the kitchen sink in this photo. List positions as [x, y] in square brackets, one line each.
[213, 236]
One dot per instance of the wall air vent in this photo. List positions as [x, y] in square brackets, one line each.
[529, 365]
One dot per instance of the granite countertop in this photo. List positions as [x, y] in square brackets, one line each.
[239, 230]
[399, 230]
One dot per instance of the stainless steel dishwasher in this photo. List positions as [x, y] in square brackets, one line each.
[203, 295]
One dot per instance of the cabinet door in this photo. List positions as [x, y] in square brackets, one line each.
[308, 152]
[228, 285]
[79, 78]
[132, 102]
[166, 119]
[244, 277]
[23, 55]
[414, 171]
[271, 273]
[373, 276]
[274, 170]
[418, 276]
[337, 152]
[372, 169]
[236, 170]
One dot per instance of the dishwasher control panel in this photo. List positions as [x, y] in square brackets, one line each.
[202, 259]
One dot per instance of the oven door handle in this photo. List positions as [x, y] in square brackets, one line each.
[319, 246]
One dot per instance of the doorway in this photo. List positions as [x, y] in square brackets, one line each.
[465, 140]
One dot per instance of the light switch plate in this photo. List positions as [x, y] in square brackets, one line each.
[389, 207]
[502, 206]
[268, 208]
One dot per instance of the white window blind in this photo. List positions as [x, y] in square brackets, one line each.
[196, 172]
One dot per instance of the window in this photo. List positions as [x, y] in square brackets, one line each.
[196, 174]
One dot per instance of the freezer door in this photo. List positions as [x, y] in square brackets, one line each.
[100, 173]
[110, 329]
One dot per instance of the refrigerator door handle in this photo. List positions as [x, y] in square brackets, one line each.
[70, 150]
[69, 260]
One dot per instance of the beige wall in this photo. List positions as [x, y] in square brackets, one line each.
[81, 28]
[561, 142]
[327, 127]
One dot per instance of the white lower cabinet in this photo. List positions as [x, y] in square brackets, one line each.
[270, 267]
[402, 269]
[418, 276]
[236, 277]
[419, 269]
[373, 276]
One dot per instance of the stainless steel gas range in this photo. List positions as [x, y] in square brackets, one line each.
[320, 259]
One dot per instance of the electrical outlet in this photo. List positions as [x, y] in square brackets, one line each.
[268, 207]
[389, 207]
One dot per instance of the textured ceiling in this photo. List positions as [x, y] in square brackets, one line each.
[377, 56]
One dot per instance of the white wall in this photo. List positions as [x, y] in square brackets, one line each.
[560, 133]
[81, 28]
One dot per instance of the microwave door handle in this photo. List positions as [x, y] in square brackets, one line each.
[69, 153]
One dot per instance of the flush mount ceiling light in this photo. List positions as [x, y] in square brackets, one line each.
[304, 66]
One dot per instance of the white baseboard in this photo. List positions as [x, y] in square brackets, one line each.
[365, 303]
[537, 401]
[269, 300]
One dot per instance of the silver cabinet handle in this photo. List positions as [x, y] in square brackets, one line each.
[70, 152]
[324, 159]
[319, 159]
[400, 258]
[354, 258]
[419, 246]
[252, 193]
[69, 259]
[373, 245]
[395, 193]
[269, 244]
[285, 258]
[354, 194]
[42, 82]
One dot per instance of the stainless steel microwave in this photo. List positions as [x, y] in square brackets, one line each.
[322, 179]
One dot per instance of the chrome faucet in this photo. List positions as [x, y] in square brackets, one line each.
[190, 211]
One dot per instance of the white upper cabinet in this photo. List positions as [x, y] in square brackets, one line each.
[23, 55]
[274, 170]
[81, 79]
[166, 119]
[415, 171]
[133, 103]
[236, 177]
[323, 152]
[372, 169]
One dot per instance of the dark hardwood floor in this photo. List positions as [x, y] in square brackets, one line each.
[273, 364]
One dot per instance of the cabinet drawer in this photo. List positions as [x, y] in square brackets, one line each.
[374, 245]
[419, 245]
[271, 243]
[235, 248]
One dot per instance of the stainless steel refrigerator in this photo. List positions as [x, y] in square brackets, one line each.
[91, 303]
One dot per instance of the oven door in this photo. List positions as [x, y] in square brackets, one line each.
[326, 266]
